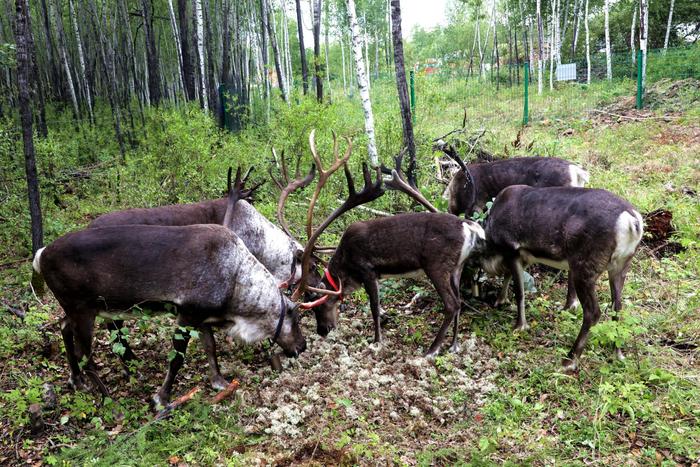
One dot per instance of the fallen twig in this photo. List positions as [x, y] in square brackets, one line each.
[13, 262]
[14, 310]
[636, 119]
[230, 389]
[177, 403]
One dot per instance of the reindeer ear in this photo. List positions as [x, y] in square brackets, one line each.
[298, 255]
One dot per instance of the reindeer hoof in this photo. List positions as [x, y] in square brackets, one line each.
[77, 383]
[159, 401]
[519, 327]
[501, 302]
[619, 355]
[219, 383]
[455, 348]
[431, 354]
[571, 305]
[569, 365]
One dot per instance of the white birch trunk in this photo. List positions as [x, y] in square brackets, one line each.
[64, 58]
[540, 57]
[362, 84]
[176, 37]
[199, 34]
[668, 25]
[588, 47]
[367, 68]
[81, 58]
[551, 48]
[608, 55]
[643, 36]
[632, 33]
[342, 58]
[287, 53]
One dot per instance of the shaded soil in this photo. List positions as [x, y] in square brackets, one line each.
[658, 230]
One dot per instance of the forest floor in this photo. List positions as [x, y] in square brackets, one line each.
[502, 398]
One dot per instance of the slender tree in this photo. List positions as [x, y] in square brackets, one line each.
[643, 37]
[633, 34]
[24, 75]
[588, 47]
[270, 24]
[199, 35]
[152, 61]
[668, 25]
[302, 51]
[317, 49]
[540, 54]
[402, 88]
[360, 71]
[63, 53]
[81, 56]
[608, 54]
[188, 71]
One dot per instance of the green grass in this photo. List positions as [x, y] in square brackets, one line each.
[644, 410]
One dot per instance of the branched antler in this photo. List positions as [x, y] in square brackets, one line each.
[287, 186]
[371, 191]
[237, 192]
[399, 183]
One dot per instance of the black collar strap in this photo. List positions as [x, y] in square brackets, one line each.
[283, 309]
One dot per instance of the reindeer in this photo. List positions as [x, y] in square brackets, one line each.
[585, 231]
[275, 248]
[204, 271]
[476, 184]
[435, 243]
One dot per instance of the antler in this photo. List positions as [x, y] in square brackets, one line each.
[324, 175]
[291, 186]
[237, 192]
[397, 182]
[370, 192]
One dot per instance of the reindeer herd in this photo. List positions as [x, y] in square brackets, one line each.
[222, 264]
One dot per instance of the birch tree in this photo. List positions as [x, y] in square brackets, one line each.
[668, 25]
[316, 4]
[608, 55]
[632, 33]
[588, 47]
[540, 56]
[199, 35]
[64, 59]
[270, 24]
[188, 71]
[81, 58]
[176, 38]
[362, 83]
[153, 66]
[643, 37]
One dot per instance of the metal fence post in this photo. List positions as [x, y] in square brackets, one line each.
[526, 82]
[413, 95]
[640, 91]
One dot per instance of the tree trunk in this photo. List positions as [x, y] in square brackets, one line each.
[289, 72]
[588, 47]
[176, 38]
[632, 34]
[326, 46]
[317, 49]
[226, 44]
[81, 56]
[540, 54]
[270, 24]
[154, 82]
[643, 37]
[668, 25]
[24, 73]
[577, 25]
[64, 60]
[199, 35]
[37, 87]
[211, 94]
[551, 46]
[402, 88]
[54, 72]
[608, 55]
[342, 58]
[362, 84]
[302, 51]
[188, 71]
[495, 49]
[107, 59]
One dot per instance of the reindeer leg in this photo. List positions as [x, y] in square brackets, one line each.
[516, 272]
[571, 298]
[617, 281]
[443, 285]
[180, 340]
[585, 289]
[215, 379]
[76, 378]
[503, 294]
[456, 279]
[372, 289]
[128, 355]
[84, 331]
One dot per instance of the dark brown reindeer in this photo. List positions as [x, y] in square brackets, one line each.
[474, 185]
[204, 271]
[587, 231]
[434, 243]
